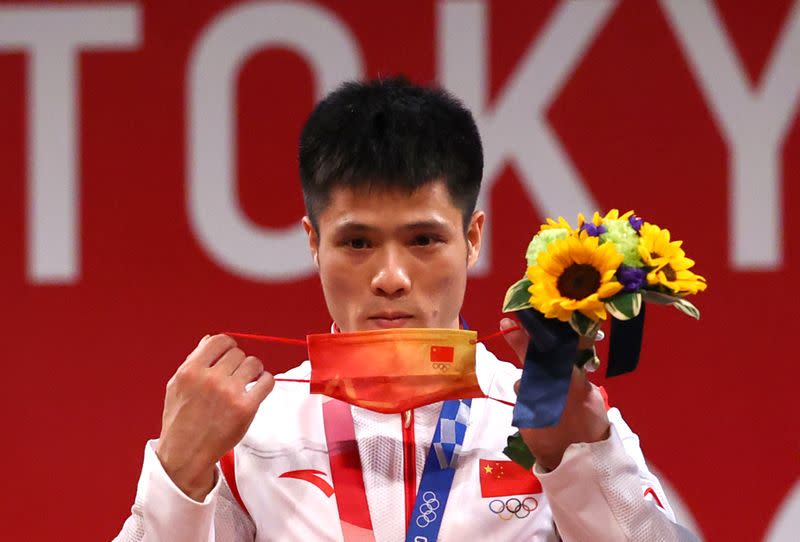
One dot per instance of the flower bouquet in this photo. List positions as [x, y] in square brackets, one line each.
[609, 265]
[576, 277]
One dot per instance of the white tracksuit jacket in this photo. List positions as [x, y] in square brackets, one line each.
[600, 491]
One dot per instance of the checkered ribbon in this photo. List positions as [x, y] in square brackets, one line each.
[450, 433]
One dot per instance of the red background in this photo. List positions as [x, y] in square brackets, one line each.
[86, 362]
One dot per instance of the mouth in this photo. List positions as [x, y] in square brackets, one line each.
[390, 319]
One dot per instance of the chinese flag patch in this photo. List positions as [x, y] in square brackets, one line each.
[442, 354]
[505, 478]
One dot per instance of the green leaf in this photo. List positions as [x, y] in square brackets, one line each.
[625, 306]
[687, 308]
[518, 451]
[518, 297]
[583, 325]
[659, 297]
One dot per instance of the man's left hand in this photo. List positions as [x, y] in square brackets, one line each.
[583, 420]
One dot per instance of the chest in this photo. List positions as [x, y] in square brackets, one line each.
[288, 489]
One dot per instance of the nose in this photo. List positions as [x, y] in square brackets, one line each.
[391, 278]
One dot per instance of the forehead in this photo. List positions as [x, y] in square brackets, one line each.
[387, 207]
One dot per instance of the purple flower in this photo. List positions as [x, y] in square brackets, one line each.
[632, 278]
[636, 222]
[592, 230]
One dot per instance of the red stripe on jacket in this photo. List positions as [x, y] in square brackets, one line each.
[228, 465]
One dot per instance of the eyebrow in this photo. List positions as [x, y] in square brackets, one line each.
[348, 225]
[424, 224]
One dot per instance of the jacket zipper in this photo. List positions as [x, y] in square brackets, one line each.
[409, 463]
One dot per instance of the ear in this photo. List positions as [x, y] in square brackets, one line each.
[474, 236]
[313, 240]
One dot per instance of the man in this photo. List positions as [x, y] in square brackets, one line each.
[390, 174]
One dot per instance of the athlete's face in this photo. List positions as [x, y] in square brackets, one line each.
[391, 259]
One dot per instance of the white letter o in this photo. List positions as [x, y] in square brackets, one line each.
[223, 230]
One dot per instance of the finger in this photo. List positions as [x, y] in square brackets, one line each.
[249, 371]
[263, 386]
[516, 386]
[193, 354]
[517, 340]
[579, 385]
[200, 343]
[229, 362]
[597, 399]
[209, 350]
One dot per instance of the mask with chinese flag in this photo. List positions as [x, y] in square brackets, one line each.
[394, 370]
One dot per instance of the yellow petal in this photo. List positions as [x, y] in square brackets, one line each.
[549, 264]
[609, 289]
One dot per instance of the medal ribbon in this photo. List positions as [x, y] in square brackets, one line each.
[440, 469]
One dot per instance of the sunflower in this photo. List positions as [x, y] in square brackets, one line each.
[541, 241]
[613, 214]
[561, 223]
[599, 224]
[574, 274]
[668, 262]
[598, 220]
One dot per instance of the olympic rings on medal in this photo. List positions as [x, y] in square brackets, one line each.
[428, 509]
[441, 366]
[513, 507]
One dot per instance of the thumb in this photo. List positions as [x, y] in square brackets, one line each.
[517, 340]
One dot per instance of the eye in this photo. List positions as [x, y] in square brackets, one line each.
[424, 240]
[357, 243]
[421, 240]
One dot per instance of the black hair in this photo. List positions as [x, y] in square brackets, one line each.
[390, 133]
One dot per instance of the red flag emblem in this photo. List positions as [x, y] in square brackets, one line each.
[504, 478]
[442, 354]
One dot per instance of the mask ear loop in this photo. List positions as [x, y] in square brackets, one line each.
[266, 338]
[271, 339]
[301, 342]
[496, 334]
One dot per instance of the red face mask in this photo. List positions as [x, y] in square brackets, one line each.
[394, 370]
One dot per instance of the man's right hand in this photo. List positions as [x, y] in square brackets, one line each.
[207, 411]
